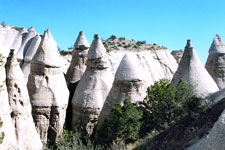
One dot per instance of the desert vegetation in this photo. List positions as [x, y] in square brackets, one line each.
[164, 107]
[121, 43]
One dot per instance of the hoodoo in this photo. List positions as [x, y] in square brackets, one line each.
[192, 71]
[20, 106]
[128, 83]
[27, 38]
[48, 90]
[76, 70]
[215, 63]
[29, 55]
[92, 89]
[78, 62]
[9, 141]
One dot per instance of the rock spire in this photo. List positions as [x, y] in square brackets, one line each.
[192, 71]
[92, 89]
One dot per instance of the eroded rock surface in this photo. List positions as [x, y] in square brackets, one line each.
[215, 139]
[9, 141]
[215, 63]
[76, 70]
[26, 134]
[177, 54]
[192, 71]
[92, 89]
[128, 83]
[48, 90]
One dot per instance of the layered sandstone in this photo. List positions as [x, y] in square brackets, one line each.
[48, 90]
[19, 102]
[92, 89]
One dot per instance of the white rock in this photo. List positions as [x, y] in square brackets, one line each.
[79, 58]
[10, 38]
[47, 53]
[97, 49]
[215, 63]
[128, 83]
[29, 55]
[9, 141]
[48, 90]
[215, 139]
[217, 45]
[192, 71]
[81, 42]
[26, 134]
[27, 38]
[92, 89]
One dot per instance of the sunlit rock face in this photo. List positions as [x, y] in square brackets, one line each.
[215, 139]
[79, 58]
[19, 101]
[193, 72]
[92, 89]
[215, 63]
[76, 70]
[10, 141]
[128, 84]
[26, 41]
[48, 90]
[31, 50]
[177, 54]
[10, 38]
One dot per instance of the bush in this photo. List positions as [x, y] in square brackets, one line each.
[122, 125]
[166, 106]
[2, 133]
[70, 140]
[127, 46]
[113, 37]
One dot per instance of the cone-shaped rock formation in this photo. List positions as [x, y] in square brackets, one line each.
[128, 83]
[27, 38]
[20, 106]
[92, 89]
[76, 70]
[9, 141]
[29, 55]
[192, 71]
[48, 90]
[215, 63]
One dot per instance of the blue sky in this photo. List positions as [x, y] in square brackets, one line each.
[165, 22]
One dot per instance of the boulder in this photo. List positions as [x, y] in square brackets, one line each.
[215, 63]
[192, 71]
[48, 90]
[26, 134]
[76, 70]
[215, 139]
[128, 83]
[92, 89]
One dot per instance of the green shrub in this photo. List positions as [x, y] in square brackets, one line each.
[127, 46]
[122, 125]
[135, 46]
[70, 140]
[2, 134]
[113, 37]
[165, 106]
